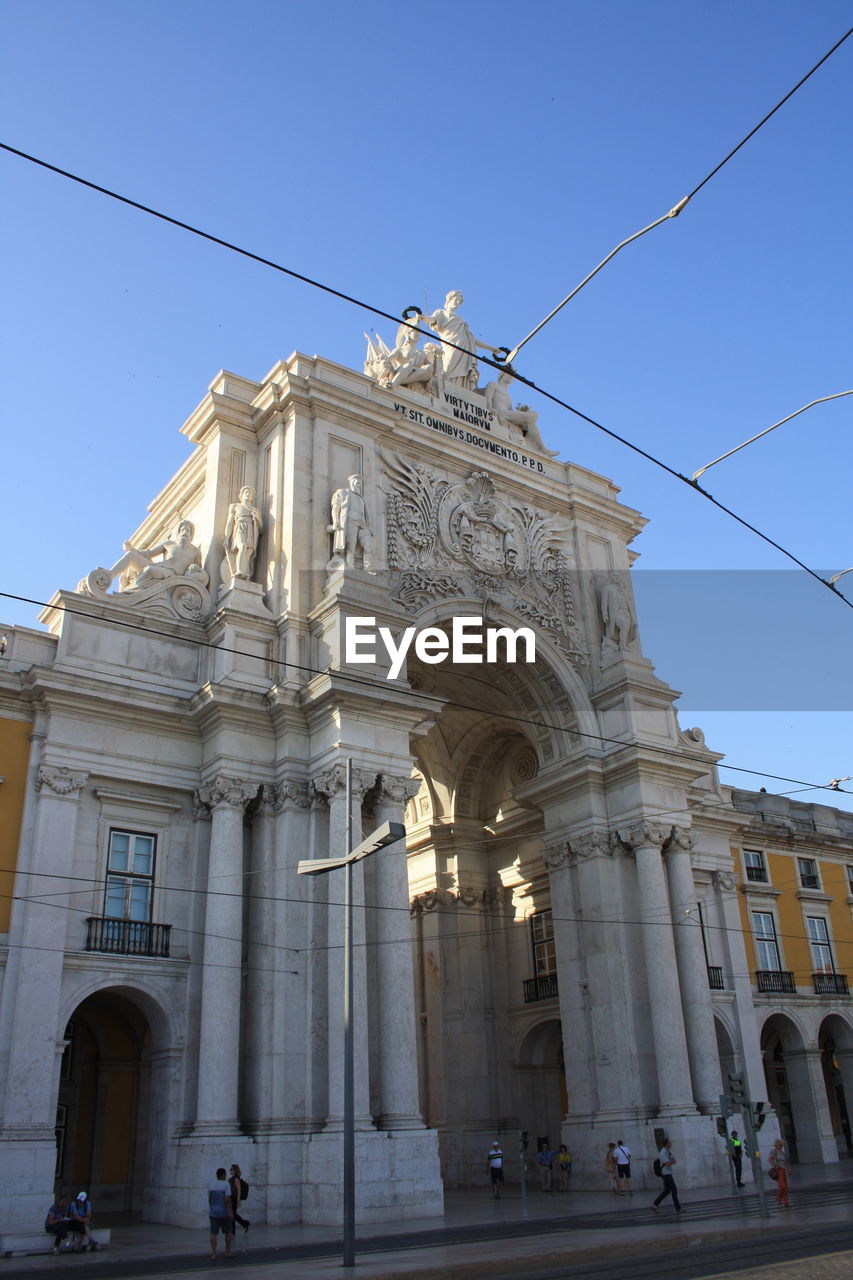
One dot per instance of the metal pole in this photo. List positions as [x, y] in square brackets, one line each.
[724, 1103]
[522, 1167]
[349, 1049]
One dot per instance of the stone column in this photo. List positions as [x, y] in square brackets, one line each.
[288, 1030]
[693, 973]
[399, 1103]
[673, 1067]
[219, 1041]
[333, 785]
[572, 984]
[807, 1089]
[32, 993]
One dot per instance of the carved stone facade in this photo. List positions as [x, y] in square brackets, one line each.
[450, 540]
[531, 959]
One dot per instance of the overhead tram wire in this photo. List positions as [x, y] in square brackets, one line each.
[499, 365]
[680, 206]
[374, 682]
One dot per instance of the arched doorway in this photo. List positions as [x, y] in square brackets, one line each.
[836, 1053]
[484, 944]
[543, 1103]
[104, 1102]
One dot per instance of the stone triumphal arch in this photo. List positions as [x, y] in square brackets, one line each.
[532, 959]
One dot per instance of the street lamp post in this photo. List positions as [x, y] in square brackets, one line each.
[388, 833]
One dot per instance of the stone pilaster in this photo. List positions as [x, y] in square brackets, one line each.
[693, 973]
[645, 840]
[217, 1102]
[30, 1101]
[399, 1105]
[332, 784]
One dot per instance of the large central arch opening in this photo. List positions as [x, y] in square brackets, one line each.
[484, 948]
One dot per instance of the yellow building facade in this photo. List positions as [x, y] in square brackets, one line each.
[794, 864]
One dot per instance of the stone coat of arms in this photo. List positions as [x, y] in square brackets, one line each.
[460, 538]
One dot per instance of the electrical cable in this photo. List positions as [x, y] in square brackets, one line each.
[374, 683]
[500, 366]
[676, 209]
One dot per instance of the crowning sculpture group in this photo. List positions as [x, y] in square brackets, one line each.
[502, 549]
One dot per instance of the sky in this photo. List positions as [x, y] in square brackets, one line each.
[396, 152]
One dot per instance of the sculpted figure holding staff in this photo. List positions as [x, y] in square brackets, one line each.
[460, 366]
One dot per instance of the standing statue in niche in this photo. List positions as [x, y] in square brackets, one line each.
[460, 366]
[242, 530]
[350, 527]
[138, 568]
[618, 619]
[519, 419]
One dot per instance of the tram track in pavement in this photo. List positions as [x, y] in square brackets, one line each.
[738, 1218]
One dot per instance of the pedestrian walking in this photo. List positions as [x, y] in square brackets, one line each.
[779, 1168]
[239, 1191]
[666, 1161]
[611, 1168]
[622, 1156]
[495, 1168]
[736, 1153]
[221, 1212]
[564, 1164]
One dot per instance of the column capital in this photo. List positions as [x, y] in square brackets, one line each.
[557, 855]
[643, 833]
[331, 781]
[291, 794]
[62, 782]
[681, 840]
[592, 844]
[222, 792]
[399, 790]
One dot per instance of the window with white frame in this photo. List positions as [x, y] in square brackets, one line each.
[544, 950]
[850, 877]
[809, 878]
[766, 945]
[130, 875]
[756, 867]
[819, 940]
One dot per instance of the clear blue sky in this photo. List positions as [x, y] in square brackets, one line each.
[396, 152]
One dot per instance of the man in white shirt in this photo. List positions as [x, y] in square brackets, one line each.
[667, 1163]
[495, 1166]
[622, 1156]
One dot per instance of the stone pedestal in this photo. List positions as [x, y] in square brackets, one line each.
[397, 1176]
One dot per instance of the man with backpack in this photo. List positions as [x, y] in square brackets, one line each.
[663, 1167]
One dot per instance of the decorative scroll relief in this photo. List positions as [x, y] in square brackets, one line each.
[166, 580]
[61, 781]
[472, 899]
[460, 538]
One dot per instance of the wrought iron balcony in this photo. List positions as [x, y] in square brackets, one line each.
[715, 978]
[777, 980]
[541, 988]
[127, 937]
[830, 984]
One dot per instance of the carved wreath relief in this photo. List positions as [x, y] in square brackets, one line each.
[460, 538]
